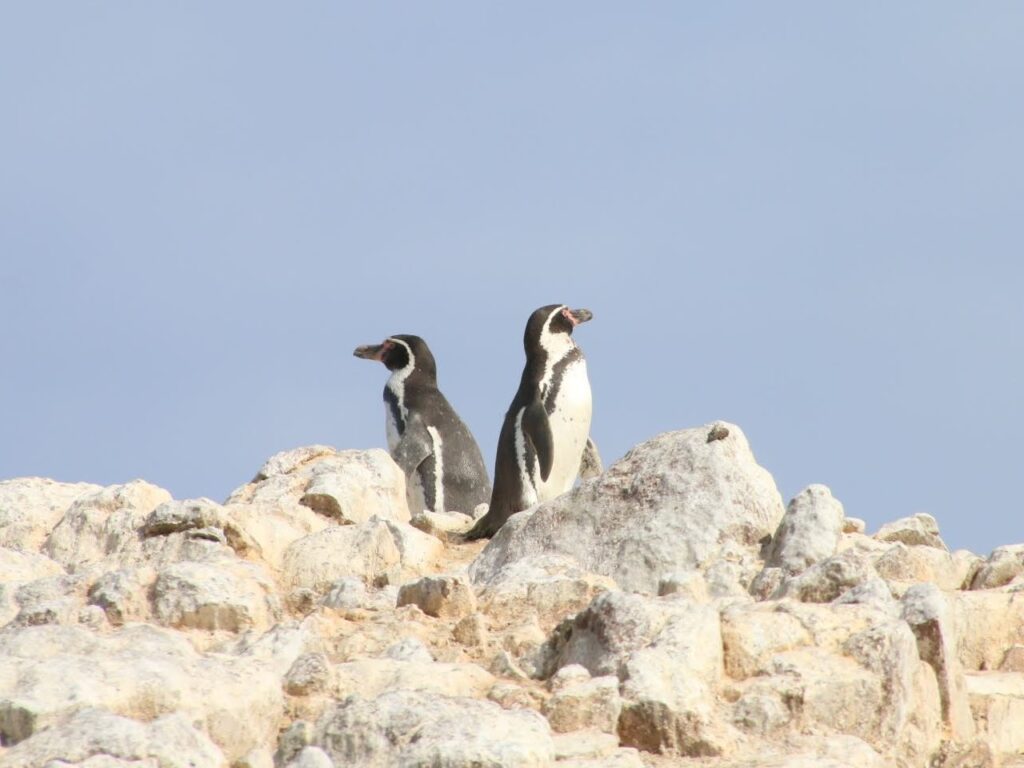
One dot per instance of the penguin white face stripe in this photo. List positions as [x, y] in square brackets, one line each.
[435, 440]
[396, 383]
[556, 346]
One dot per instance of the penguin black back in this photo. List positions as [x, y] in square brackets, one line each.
[442, 462]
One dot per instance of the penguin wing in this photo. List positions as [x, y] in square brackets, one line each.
[590, 463]
[414, 446]
[538, 429]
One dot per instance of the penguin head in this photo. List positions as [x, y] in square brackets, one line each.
[401, 352]
[549, 328]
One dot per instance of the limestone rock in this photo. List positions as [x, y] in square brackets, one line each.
[918, 530]
[584, 745]
[16, 565]
[446, 597]
[201, 518]
[409, 649]
[30, 507]
[988, 624]
[903, 565]
[926, 611]
[373, 677]
[997, 701]
[233, 596]
[378, 551]
[312, 757]
[346, 486]
[809, 531]
[670, 504]
[442, 525]
[103, 523]
[1003, 566]
[123, 594]
[274, 526]
[667, 653]
[89, 736]
[825, 581]
[584, 704]
[410, 728]
[310, 673]
[141, 672]
[752, 636]
[544, 588]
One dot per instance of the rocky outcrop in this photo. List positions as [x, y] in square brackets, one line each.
[667, 610]
[674, 503]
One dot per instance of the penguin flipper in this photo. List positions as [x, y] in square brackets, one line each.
[414, 446]
[590, 463]
[538, 429]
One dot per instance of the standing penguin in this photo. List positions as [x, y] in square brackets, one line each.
[442, 463]
[546, 431]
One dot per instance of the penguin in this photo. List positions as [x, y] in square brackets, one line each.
[544, 441]
[443, 466]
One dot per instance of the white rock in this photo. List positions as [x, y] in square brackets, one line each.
[123, 595]
[926, 611]
[88, 735]
[30, 507]
[542, 588]
[348, 486]
[26, 566]
[310, 673]
[825, 581]
[409, 649]
[103, 523]
[670, 504]
[809, 531]
[1003, 566]
[378, 551]
[312, 757]
[997, 700]
[141, 672]
[446, 597]
[667, 653]
[753, 635]
[988, 624]
[373, 677]
[274, 526]
[409, 728]
[592, 704]
[584, 745]
[902, 565]
[918, 530]
[200, 518]
[233, 596]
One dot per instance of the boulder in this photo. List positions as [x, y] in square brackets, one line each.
[446, 597]
[234, 596]
[989, 623]
[927, 612]
[579, 702]
[414, 728]
[95, 737]
[140, 672]
[373, 677]
[997, 702]
[30, 507]
[346, 486]
[378, 552]
[667, 654]
[1003, 566]
[103, 523]
[809, 532]
[542, 588]
[920, 530]
[670, 504]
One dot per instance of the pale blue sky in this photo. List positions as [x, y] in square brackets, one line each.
[805, 218]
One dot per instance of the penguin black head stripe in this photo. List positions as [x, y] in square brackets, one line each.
[441, 461]
[401, 352]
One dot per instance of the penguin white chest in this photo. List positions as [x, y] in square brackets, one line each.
[569, 405]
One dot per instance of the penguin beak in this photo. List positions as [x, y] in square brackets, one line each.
[577, 316]
[370, 352]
